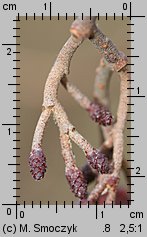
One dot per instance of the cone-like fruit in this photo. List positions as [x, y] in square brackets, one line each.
[37, 162]
[100, 114]
[97, 160]
[77, 182]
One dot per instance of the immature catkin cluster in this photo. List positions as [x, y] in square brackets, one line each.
[37, 162]
[77, 182]
[97, 160]
[100, 114]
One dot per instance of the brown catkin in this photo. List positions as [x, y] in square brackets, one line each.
[77, 182]
[37, 162]
[100, 114]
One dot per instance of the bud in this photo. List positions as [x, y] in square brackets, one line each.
[100, 114]
[97, 160]
[77, 182]
[37, 162]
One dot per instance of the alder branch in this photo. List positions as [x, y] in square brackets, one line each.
[116, 60]
[102, 83]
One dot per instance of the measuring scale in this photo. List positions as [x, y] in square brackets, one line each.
[19, 216]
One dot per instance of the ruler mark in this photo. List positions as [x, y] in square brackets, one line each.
[136, 16]
[133, 56]
[56, 207]
[82, 16]
[11, 44]
[136, 176]
[13, 164]
[98, 16]
[17, 18]
[106, 17]
[122, 16]
[96, 209]
[9, 204]
[130, 11]
[14, 84]
[112, 204]
[136, 96]
[16, 210]
[11, 124]
[16, 28]
[132, 136]
[80, 204]
[74, 16]
[50, 10]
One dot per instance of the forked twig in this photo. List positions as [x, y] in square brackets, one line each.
[114, 60]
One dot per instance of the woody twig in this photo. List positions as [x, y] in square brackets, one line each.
[116, 60]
